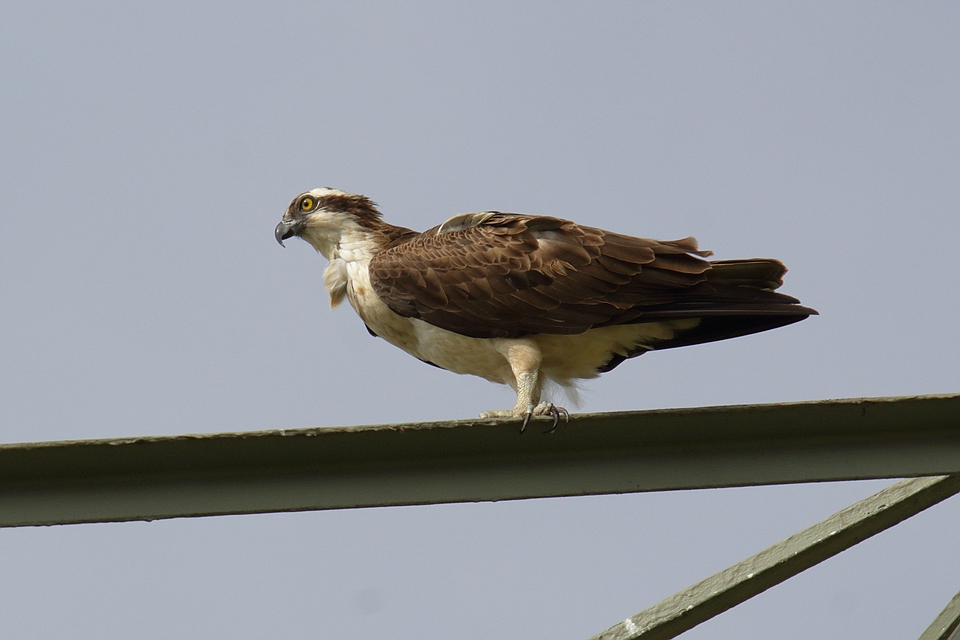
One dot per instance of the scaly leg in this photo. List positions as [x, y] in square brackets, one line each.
[524, 358]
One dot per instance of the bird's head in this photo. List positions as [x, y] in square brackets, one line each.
[324, 216]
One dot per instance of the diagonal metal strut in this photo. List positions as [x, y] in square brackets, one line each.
[947, 624]
[725, 590]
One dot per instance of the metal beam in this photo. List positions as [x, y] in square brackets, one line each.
[947, 624]
[742, 581]
[476, 460]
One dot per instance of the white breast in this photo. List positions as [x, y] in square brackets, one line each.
[564, 357]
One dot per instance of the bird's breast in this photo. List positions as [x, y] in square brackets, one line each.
[376, 315]
[447, 350]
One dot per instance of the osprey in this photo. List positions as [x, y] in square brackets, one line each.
[521, 299]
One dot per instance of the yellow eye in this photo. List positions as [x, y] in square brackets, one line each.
[306, 204]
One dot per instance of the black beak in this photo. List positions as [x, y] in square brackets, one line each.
[287, 229]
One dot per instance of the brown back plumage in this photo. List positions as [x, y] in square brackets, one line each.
[507, 275]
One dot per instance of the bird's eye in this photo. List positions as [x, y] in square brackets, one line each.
[306, 204]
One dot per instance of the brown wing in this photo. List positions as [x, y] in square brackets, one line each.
[504, 275]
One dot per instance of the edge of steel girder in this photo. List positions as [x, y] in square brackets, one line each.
[791, 556]
[147, 478]
[945, 626]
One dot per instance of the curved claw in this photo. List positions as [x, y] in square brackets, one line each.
[557, 412]
[526, 418]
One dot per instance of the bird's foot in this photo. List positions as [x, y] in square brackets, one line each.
[542, 409]
[502, 413]
[547, 409]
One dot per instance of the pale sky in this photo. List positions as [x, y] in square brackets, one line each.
[148, 150]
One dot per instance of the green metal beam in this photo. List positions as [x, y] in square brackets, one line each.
[476, 460]
[725, 590]
[947, 624]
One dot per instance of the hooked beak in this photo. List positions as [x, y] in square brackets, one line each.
[287, 229]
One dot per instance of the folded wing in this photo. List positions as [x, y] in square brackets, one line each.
[502, 275]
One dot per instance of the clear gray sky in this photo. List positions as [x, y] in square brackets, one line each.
[148, 149]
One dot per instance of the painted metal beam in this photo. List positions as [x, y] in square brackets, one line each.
[947, 624]
[742, 581]
[476, 460]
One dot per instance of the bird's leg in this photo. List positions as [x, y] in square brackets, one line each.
[524, 358]
[529, 387]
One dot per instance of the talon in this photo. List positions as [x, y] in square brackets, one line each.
[526, 418]
[556, 412]
[556, 419]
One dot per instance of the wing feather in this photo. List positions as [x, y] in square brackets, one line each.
[507, 275]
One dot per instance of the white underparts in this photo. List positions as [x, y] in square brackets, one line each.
[559, 358]
[525, 364]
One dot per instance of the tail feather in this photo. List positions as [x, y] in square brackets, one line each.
[763, 273]
[737, 299]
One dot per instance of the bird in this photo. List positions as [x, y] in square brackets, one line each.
[523, 299]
